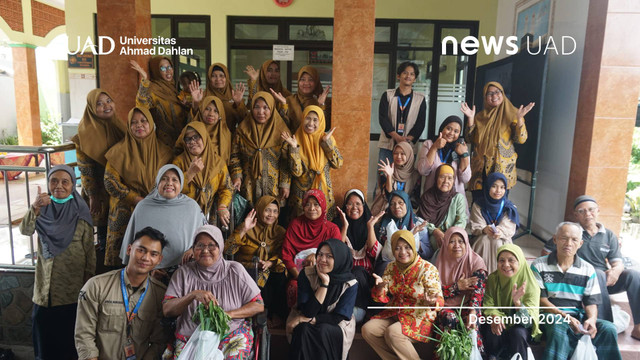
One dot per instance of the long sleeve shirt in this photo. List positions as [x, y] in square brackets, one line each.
[386, 124]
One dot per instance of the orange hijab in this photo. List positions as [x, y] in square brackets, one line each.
[493, 121]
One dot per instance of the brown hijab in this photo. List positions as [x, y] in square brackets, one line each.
[96, 136]
[138, 160]
[434, 204]
[492, 121]
[218, 132]
[406, 173]
[269, 235]
[299, 101]
[224, 94]
[263, 84]
[159, 86]
[259, 137]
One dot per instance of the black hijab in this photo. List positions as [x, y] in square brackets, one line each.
[341, 273]
[446, 154]
[358, 231]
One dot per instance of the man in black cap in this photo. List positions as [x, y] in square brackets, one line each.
[600, 245]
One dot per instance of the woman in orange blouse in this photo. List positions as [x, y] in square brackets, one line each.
[413, 282]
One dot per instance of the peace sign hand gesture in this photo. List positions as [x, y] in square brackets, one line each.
[323, 97]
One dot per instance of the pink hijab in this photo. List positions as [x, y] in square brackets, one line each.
[452, 269]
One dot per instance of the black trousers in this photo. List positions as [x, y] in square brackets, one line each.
[53, 331]
[628, 281]
[512, 340]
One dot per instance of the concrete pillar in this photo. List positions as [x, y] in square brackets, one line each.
[126, 18]
[25, 82]
[607, 107]
[353, 41]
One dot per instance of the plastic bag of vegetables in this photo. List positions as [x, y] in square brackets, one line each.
[203, 344]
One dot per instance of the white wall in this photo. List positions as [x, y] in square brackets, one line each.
[559, 115]
[7, 101]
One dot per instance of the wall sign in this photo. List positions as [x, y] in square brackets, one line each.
[283, 52]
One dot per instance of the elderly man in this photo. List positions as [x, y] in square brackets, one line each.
[569, 288]
[601, 245]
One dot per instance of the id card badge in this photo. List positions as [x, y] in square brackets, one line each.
[400, 128]
[129, 349]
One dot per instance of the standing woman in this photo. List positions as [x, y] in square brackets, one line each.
[310, 162]
[132, 165]
[99, 129]
[219, 85]
[442, 207]
[494, 219]
[446, 148]
[512, 287]
[267, 79]
[492, 132]
[322, 324]
[212, 115]
[309, 93]
[161, 98]
[257, 245]
[66, 259]
[205, 173]
[258, 164]
[416, 296]
[399, 175]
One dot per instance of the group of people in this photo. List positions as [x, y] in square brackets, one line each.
[155, 187]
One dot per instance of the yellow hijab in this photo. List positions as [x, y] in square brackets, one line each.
[138, 160]
[407, 236]
[310, 150]
[219, 132]
[96, 136]
[493, 121]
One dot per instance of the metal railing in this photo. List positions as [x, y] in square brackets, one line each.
[4, 169]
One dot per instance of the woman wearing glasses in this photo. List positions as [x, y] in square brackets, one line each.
[160, 96]
[493, 131]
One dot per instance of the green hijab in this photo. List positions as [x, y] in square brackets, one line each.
[499, 287]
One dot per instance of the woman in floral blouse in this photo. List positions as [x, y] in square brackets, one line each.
[416, 297]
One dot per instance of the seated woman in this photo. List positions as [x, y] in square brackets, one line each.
[267, 79]
[212, 278]
[400, 175]
[414, 285]
[132, 164]
[494, 219]
[322, 325]
[205, 172]
[309, 93]
[400, 216]
[258, 161]
[512, 285]
[303, 236]
[99, 129]
[442, 207]
[446, 148]
[357, 228]
[463, 275]
[211, 114]
[219, 85]
[175, 215]
[312, 154]
[257, 245]
[66, 260]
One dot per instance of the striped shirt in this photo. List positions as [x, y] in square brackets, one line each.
[570, 289]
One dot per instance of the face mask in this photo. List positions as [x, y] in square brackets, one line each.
[61, 201]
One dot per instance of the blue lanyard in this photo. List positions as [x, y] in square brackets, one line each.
[125, 297]
[402, 107]
[445, 158]
[499, 213]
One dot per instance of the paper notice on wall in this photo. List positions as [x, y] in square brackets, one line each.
[283, 52]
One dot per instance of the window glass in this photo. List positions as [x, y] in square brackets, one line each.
[192, 29]
[256, 32]
[415, 34]
[383, 34]
[311, 32]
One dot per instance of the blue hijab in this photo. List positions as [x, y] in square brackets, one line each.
[493, 210]
[405, 222]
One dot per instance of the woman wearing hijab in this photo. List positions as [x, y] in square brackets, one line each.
[132, 165]
[160, 96]
[303, 236]
[99, 129]
[212, 278]
[206, 174]
[172, 213]
[312, 154]
[258, 161]
[400, 216]
[446, 148]
[442, 207]
[66, 259]
[322, 325]
[309, 93]
[416, 296]
[463, 275]
[494, 219]
[257, 245]
[492, 132]
[267, 79]
[512, 287]
[399, 175]
[357, 228]
[211, 114]
[219, 85]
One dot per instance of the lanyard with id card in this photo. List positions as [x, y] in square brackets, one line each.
[401, 121]
[129, 348]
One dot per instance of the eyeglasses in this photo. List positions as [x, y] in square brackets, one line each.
[494, 93]
[166, 68]
[193, 138]
[584, 211]
[201, 246]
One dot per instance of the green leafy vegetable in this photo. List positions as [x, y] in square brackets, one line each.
[212, 318]
[454, 343]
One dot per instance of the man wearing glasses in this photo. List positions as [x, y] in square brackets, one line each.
[601, 245]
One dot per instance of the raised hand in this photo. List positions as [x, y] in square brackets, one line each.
[238, 93]
[253, 73]
[278, 96]
[470, 113]
[250, 221]
[462, 148]
[374, 219]
[517, 293]
[343, 216]
[386, 167]
[42, 199]
[196, 92]
[440, 142]
[523, 110]
[323, 97]
[290, 139]
[135, 66]
[328, 134]
[418, 228]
